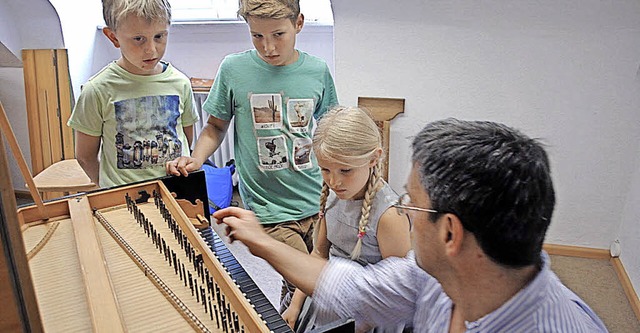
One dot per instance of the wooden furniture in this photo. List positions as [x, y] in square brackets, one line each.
[22, 164]
[49, 104]
[136, 258]
[19, 309]
[201, 85]
[383, 111]
[65, 176]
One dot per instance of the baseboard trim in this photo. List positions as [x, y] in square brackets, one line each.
[592, 253]
[577, 251]
[626, 285]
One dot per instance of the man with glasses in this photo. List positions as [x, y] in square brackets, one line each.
[480, 199]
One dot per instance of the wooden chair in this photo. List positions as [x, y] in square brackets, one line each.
[383, 111]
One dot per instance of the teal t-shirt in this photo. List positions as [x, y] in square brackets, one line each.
[274, 108]
[140, 119]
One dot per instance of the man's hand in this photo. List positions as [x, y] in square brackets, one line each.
[295, 266]
[290, 316]
[182, 166]
[243, 225]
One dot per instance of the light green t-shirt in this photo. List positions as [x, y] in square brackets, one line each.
[139, 118]
[274, 108]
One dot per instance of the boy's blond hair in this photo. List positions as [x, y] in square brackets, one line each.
[270, 9]
[114, 11]
[348, 135]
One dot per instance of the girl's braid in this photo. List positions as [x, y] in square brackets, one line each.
[323, 203]
[372, 188]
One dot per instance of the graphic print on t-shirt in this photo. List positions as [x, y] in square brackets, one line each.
[146, 131]
[301, 153]
[299, 113]
[266, 110]
[273, 153]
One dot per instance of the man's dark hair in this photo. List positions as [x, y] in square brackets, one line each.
[495, 179]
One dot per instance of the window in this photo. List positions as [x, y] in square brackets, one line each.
[317, 11]
[204, 10]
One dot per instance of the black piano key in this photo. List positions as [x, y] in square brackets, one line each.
[218, 244]
[280, 328]
[252, 290]
[254, 295]
[207, 237]
[260, 303]
[226, 258]
[244, 281]
[235, 269]
[271, 317]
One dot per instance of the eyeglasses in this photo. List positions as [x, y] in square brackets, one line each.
[403, 204]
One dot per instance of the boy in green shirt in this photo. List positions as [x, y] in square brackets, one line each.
[137, 113]
[273, 92]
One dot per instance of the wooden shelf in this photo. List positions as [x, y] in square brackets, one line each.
[201, 85]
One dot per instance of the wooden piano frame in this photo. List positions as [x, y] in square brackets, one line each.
[21, 309]
[186, 200]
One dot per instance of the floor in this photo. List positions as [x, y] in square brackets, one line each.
[596, 282]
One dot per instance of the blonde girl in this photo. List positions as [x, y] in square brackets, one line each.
[357, 218]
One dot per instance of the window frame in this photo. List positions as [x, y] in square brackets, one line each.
[224, 11]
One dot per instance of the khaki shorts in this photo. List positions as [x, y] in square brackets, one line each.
[299, 235]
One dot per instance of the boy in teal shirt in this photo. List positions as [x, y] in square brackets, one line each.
[274, 92]
[137, 113]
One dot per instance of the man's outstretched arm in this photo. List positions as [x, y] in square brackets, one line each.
[297, 267]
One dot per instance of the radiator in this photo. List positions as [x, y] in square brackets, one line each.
[224, 153]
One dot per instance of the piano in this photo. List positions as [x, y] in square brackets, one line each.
[135, 258]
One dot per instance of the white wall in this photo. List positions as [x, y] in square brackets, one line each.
[198, 49]
[13, 100]
[8, 33]
[78, 20]
[29, 24]
[629, 233]
[565, 72]
[24, 24]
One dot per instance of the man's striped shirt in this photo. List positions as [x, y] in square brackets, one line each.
[396, 290]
